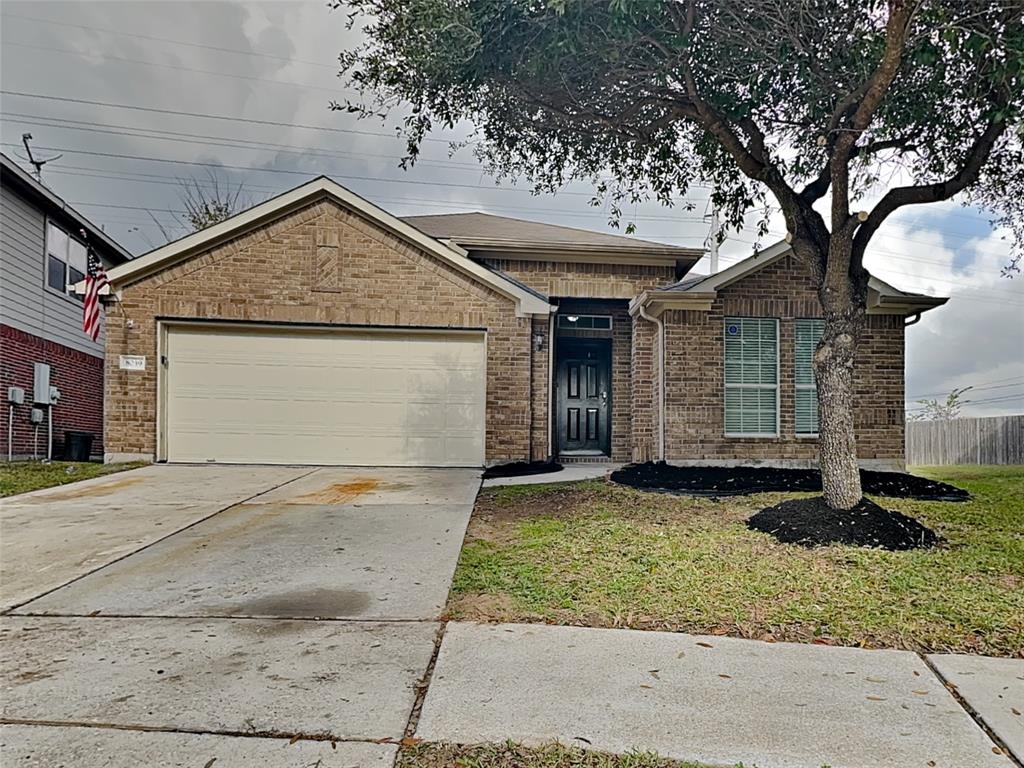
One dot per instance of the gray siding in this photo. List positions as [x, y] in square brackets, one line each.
[25, 301]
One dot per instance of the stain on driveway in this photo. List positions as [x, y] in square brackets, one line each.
[385, 548]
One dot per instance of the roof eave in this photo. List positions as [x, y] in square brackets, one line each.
[544, 250]
[905, 304]
[111, 248]
[658, 302]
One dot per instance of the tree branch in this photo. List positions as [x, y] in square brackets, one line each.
[931, 193]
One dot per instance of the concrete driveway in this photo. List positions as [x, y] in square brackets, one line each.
[269, 602]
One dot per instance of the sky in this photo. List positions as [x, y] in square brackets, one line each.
[121, 76]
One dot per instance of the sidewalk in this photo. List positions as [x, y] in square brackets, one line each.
[714, 700]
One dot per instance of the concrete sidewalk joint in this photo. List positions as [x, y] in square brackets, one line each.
[713, 700]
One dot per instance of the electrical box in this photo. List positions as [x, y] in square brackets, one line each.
[54, 395]
[15, 395]
[41, 385]
[36, 416]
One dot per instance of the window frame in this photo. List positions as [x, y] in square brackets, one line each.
[65, 260]
[813, 386]
[777, 386]
[580, 315]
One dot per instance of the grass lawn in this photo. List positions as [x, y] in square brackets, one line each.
[25, 476]
[510, 755]
[598, 554]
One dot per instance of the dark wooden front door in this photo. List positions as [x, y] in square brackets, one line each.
[583, 383]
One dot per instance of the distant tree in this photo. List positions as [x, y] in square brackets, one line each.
[209, 202]
[940, 410]
[817, 103]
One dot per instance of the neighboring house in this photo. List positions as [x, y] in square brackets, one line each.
[41, 254]
[317, 328]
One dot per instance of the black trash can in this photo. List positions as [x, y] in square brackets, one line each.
[77, 446]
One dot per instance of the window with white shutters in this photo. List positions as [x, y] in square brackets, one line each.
[751, 376]
[805, 417]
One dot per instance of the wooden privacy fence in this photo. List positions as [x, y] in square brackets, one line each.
[993, 440]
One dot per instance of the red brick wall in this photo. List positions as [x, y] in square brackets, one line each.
[695, 409]
[77, 375]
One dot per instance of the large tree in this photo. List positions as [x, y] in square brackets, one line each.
[820, 104]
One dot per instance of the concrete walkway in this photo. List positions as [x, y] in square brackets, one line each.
[709, 699]
[570, 473]
[992, 688]
[303, 602]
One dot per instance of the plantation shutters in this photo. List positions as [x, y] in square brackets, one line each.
[808, 333]
[751, 376]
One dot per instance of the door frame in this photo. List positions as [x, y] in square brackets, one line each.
[565, 346]
[164, 325]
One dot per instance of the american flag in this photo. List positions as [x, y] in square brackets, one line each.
[95, 280]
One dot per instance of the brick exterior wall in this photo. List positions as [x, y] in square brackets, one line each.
[77, 375]
[644, 407]
[695, 411]
[322, 264]
[582, 281]
[539, 376]
[591, 281]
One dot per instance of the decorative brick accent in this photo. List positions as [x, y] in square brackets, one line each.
[282, 273]
[77, 375]
[695, 411]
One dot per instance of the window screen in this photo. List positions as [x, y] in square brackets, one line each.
[751, 376]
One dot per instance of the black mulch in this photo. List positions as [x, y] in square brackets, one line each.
[811, 523]
[735, 481]
[521, 468]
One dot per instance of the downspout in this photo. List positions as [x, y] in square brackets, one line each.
[914, 319]
[661, 378]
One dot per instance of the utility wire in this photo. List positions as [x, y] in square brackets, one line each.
[162, 65]
[206, 116]
[139, 35]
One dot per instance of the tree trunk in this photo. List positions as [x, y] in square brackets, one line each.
[834, 371]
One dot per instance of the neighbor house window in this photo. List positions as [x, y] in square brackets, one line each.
[66, 259]
[751, 377]
[805, 416]
[590, 322]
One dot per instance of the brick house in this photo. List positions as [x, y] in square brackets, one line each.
[41, 254]
[317, 328]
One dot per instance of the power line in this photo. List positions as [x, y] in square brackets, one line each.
[419, 202]
[1019, 381]
[141, 36]
[206, 116]
[307, 174]
[215, 141]
[178, 67]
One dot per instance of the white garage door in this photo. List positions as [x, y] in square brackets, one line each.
[290, 396]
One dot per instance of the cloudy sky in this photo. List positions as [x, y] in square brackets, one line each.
[141, 94]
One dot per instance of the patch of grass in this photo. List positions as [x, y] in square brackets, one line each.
[603, 555]
[24, 476]
[512, 755]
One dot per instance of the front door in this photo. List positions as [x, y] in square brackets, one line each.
[583, 383]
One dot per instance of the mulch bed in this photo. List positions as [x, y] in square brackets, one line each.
[737, 481]
[811, 523]
[522, 468]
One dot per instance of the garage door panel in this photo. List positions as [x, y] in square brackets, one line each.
[294, 396]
